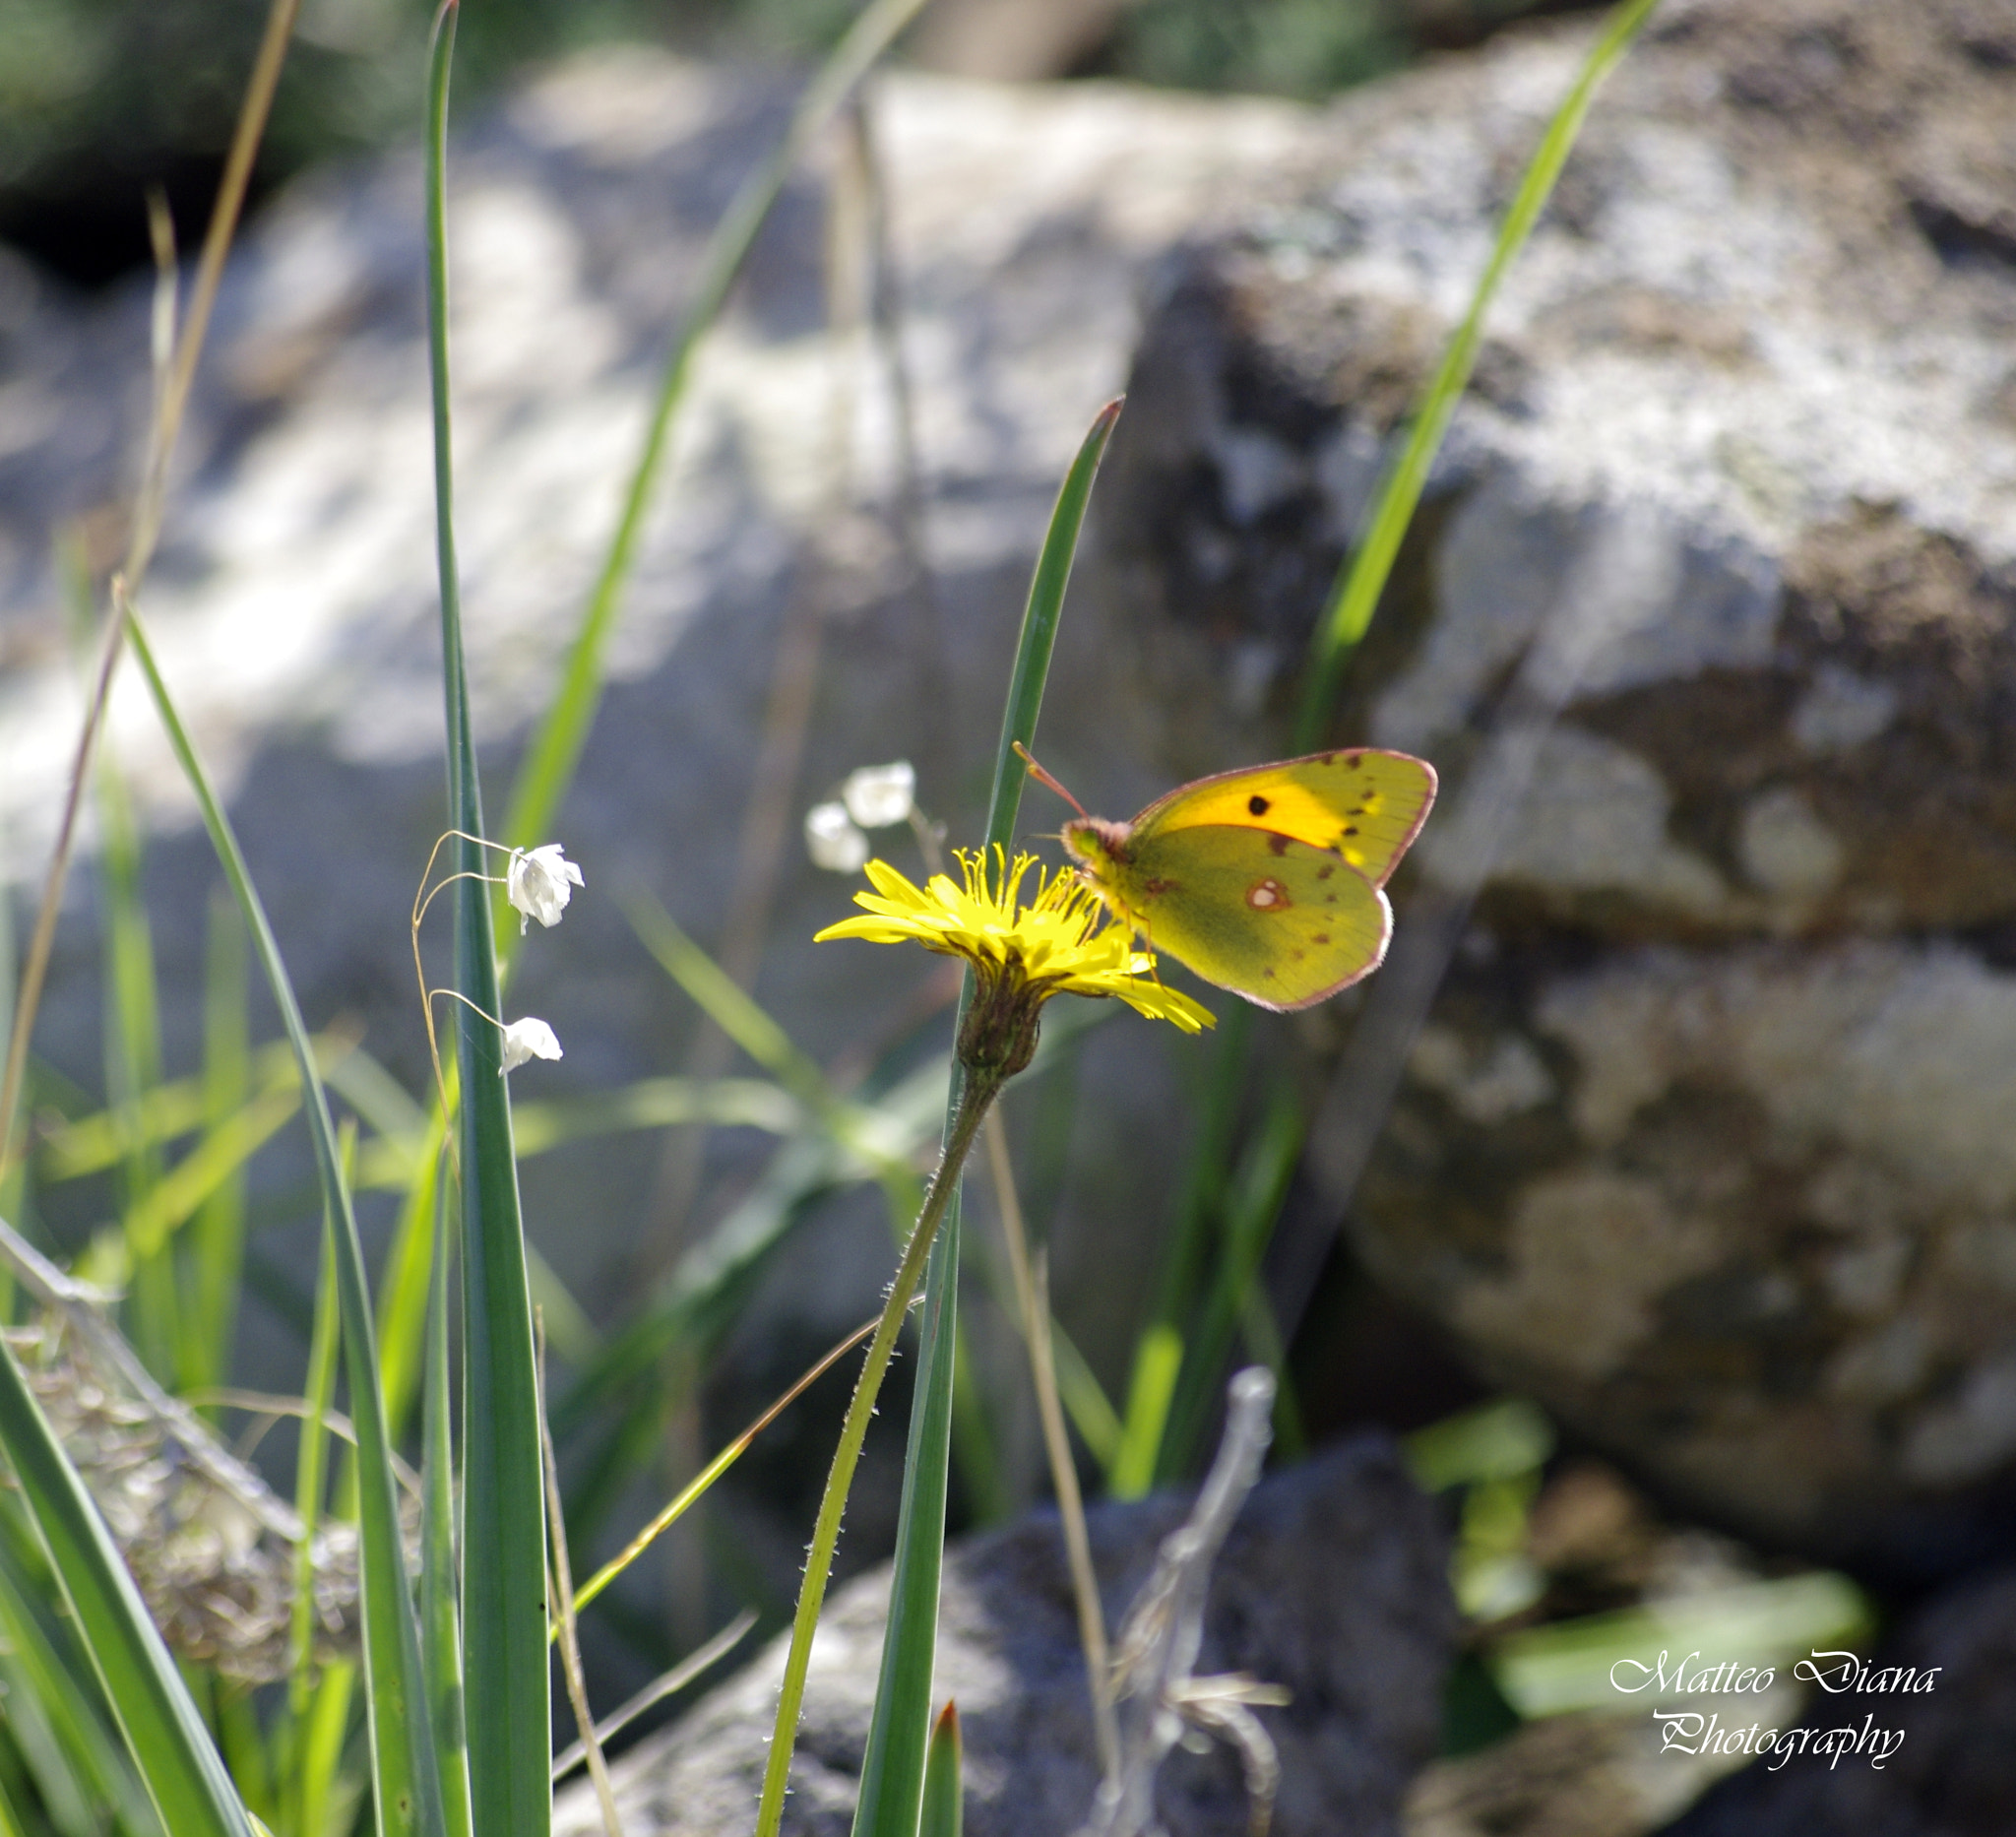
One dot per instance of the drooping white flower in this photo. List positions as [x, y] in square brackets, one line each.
[539, 882]
[878, 795]
[831, 840]
[527, 1039]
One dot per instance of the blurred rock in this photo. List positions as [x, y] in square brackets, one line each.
[1331, 1583]
[1952, 1775]
[1705, 1145]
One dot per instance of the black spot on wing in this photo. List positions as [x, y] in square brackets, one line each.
[1258, 804]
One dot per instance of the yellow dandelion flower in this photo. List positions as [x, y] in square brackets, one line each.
[1023, 953]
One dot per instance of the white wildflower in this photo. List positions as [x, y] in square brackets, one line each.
[878, 795]
[833, 841]
[527, 1039]
[539, 882]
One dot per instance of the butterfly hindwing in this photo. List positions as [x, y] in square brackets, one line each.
[1273, 919]
[1366, 805]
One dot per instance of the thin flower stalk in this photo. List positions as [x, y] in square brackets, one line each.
[1021, 953]
[976, 1095]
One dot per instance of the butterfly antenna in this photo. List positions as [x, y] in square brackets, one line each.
[1049, 783]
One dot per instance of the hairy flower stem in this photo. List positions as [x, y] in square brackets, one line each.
[978, 1091]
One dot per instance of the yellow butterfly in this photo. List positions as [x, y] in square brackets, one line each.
[1266, 880]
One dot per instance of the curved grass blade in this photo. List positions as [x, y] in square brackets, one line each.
[556, 749]
[507, 1685]
[892, 1767]
[311, 1466]
[1349, 613]
[403, 1766]
[163, 1729]
[73, 1756]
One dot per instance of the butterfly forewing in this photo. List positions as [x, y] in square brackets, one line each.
[1364, 805]
[1275, 920]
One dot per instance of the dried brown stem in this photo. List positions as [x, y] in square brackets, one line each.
[171, 400]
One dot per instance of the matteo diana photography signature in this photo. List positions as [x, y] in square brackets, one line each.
[1707, 1732]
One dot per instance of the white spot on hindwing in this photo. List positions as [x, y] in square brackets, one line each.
[1268, 895]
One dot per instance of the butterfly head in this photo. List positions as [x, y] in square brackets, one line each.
[1097, 845]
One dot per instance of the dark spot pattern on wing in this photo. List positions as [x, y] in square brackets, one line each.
[1258, 804]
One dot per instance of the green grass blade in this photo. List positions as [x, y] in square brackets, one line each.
[164, 1734]
[1083, 1398]
[403, 1776]
[133, 1067]
[1253, 1205]
[440, 1630]
[556, 749]
[35, 1760]
[944, 1794]
[311, 1469]
[1159, 1351]
[316, 1781]
[176, 1197]
[74, 1757]
[1349, 613]
[245, 1750]
[409, 1272]
[13, 1169]
[88, 1142]
[1039, 637]
[728, 1004]
[893, 1765]
[504, 1556]
[13, 1822]
[893, 1769]
[1151, 1389]
[217, 1238]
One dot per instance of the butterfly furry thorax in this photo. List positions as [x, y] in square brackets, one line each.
[1266, 880]
[1093, 841]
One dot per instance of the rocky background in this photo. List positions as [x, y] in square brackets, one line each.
[1697, 1130]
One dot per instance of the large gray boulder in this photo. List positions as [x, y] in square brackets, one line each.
[1331, 1583]
[1705, 1141]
